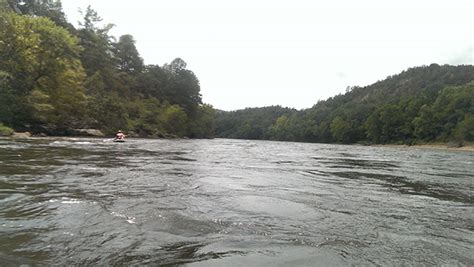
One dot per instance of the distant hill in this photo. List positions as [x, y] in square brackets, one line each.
[421, 104]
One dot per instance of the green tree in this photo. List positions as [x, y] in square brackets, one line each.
[203, 124]
[98, 45]
[391, 120]
[279, 130]
[127, 55]
[7, 6]
[424, 124]
[145, 117]
[182, 87]
[51, 81]
[340, 130]
[373, 128]
[464, 130]
[43, 8]
[46, 77]
[109, 112]
[452, 109]
[8, 111]
[174, 119]
[151, 82]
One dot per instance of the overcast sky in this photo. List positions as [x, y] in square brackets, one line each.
[254, 53]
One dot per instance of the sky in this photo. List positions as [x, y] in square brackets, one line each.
[255, 53]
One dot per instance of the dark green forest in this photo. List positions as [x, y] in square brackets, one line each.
[423, 104]
[55, 78]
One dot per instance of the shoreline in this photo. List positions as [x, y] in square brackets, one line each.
[439, 146]
[469, 147]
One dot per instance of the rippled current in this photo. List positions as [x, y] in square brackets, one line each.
[67, 201]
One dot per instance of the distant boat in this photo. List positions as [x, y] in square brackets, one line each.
[119, 140]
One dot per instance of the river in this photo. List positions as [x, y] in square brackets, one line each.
[86, 201]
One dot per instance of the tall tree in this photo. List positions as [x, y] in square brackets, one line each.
[43, 8]
[97, 43]
[127, 55]
[182, 87]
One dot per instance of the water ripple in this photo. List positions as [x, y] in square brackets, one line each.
[87, 201]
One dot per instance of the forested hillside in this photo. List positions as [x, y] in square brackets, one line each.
[250, 123]
[55, 78]
[423, 104]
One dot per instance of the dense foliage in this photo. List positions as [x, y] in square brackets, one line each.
[55, 78]
[250, 123]
[424, 104]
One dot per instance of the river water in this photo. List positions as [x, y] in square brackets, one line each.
[67, 201]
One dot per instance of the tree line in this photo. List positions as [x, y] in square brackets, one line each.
[422, 104]
[55, 77]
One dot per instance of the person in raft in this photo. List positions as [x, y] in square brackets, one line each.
[120, 136]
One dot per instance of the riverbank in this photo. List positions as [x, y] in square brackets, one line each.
[467, 147]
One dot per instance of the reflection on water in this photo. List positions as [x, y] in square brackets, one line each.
[68, 201]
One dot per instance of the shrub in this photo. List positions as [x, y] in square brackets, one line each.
[5, 131]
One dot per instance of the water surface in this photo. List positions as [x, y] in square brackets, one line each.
[69, 201]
